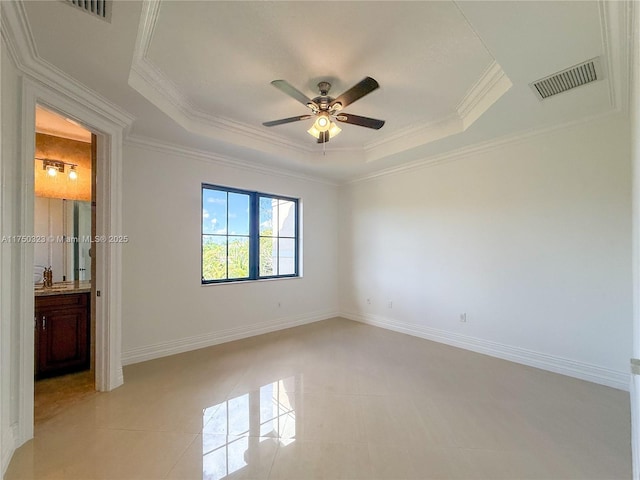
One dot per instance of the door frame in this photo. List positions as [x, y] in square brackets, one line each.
[108, 281]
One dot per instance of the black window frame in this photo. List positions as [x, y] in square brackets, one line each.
[254, 234]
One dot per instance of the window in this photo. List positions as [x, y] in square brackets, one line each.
[247, 235]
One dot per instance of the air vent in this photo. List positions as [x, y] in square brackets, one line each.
[98, 8]
[573, 77]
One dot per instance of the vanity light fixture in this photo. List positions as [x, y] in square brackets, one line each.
[52, 171]
[54, 166]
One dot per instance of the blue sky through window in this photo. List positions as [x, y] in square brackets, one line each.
[216, 219]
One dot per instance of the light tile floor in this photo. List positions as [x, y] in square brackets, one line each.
[55, 395]
[335, 399]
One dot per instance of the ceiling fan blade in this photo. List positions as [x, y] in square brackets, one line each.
[282, 121]
[362, 88]
[361, 121]
[293, 92]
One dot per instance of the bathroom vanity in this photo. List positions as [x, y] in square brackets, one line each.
[62, 330]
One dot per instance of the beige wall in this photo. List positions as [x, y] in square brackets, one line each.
[60, 186]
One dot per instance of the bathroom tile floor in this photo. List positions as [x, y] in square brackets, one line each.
[335, 399]
[55, 395]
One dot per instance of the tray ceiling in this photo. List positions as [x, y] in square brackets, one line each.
[451, 74]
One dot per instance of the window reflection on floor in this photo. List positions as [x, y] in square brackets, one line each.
[234, 432]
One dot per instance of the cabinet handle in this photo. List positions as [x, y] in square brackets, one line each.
[44, 322]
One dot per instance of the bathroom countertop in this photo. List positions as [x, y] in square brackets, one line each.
[62, 288]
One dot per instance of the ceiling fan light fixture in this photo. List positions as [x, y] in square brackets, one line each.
[323, 122]
[333, 130]
[313, 131]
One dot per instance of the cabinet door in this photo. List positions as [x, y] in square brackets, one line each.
[62, 340]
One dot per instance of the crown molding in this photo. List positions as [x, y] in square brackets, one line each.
[491, 85]
[157, 87]
[146, 78]
[9, 37]
[19, 38]
[17, 32]
[148, 19]
[605, 34]
[630, 49]
[479, 148]
[149, 80]
[152, 83]
[413, 136]
[615, 29]
[152, 144]
[616, 25]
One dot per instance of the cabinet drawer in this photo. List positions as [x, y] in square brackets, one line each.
[62, 301]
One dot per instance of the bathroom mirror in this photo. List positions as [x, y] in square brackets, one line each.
[62, 232]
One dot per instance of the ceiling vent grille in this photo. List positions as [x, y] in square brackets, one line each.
[98, 8]
[573, 77]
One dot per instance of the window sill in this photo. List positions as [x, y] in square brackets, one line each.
[244, 282]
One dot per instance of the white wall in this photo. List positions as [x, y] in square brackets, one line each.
[532, 240]
[9, 257]
[635, 158]
[165, 308]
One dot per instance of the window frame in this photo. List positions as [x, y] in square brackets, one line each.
[254, 234]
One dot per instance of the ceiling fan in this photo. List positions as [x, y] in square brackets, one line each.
[325, 108]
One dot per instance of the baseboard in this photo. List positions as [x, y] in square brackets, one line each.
[9, 444]
[149, 352]
[564, 366]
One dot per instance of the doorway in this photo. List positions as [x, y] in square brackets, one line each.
[109, 125]
[64, 263]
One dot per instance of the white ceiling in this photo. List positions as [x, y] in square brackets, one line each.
[51, 123]
[451, 74]
[231, 51]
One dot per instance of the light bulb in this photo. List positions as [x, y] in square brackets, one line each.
[73, 174]
[52, 171]
[323, 123]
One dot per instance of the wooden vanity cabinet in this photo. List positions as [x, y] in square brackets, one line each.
[61, 334]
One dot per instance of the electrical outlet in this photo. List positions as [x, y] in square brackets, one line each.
[390, 304]
[463, 317]
[279, 304]
[368, 301]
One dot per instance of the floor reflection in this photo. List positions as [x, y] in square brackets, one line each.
[244, 431]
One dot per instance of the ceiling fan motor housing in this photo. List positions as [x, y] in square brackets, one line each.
[324, 88]
[323, 100]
